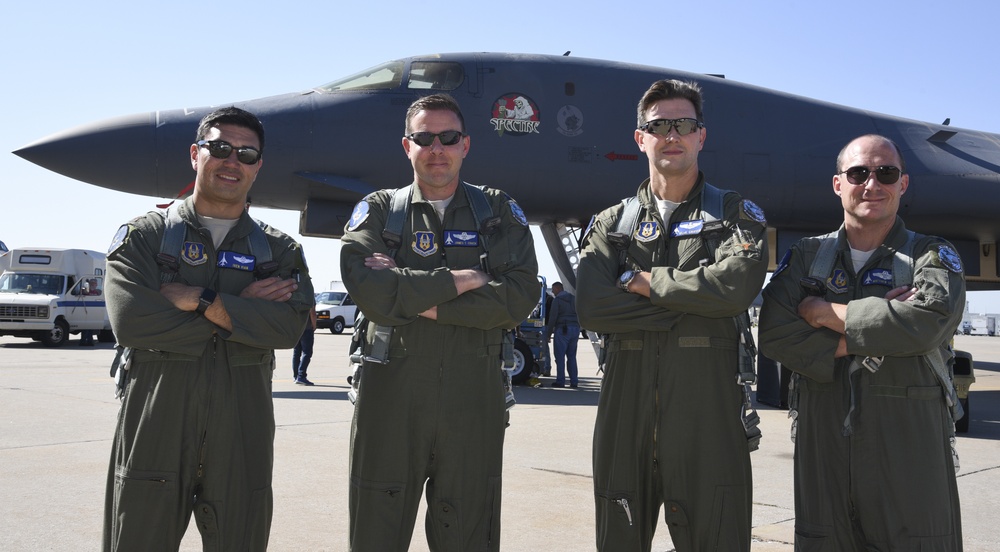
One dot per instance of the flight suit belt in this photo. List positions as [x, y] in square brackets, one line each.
[687, 342]
[249, 358]
[480, 352]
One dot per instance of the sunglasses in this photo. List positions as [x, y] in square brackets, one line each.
[886, 174]
[662, 126]
[424, 139]
[220, 149]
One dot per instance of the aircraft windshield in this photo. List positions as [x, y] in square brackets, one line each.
[46, 284]
[381, 77]
[435, 75]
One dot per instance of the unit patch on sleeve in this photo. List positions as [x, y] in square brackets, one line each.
[752, 211]
[358, 216]
[950, 259]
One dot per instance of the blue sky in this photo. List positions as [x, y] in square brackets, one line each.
[71, 63]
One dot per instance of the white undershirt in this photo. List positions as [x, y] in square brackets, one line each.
[218, 227]
[666, 208]
[859, 258]
[440, 205]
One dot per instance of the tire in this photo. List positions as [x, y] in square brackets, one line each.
[524, 363]
[337, 326]
[106, 336]
[57, 336]
[962, 425]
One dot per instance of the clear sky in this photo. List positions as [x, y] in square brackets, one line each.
[70, 63]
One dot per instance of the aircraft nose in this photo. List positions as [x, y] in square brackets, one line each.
[119, 153]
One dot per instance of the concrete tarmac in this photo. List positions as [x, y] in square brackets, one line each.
[58, 412]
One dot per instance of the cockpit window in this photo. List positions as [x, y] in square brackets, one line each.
[381, 77]
[435, 75]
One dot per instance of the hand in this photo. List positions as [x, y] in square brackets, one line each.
[272, 289]
[380, 261]
[812, 308]
[902, 293]
[431, 313]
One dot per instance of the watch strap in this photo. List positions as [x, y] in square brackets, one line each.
[207, 298]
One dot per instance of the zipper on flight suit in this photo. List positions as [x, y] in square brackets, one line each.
[623, 502]
[204, 435]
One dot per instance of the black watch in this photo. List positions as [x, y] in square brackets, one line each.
[206, 300]
[625, 279]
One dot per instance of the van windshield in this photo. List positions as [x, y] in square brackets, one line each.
[331, 297]
[45, 284]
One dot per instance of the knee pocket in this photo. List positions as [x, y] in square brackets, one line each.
[379, 505]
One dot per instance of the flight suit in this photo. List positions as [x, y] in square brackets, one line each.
[435, 412]
[886, 479]
[196, 427]
[668, 427]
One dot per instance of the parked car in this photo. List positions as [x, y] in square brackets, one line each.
[335, 310]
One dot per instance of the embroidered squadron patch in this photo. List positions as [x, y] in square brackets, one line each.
[838, 282]
[518, 213]
[193, 253]
[687, 228]
[461, 238]
[237, 261]
[424, 244]
[950, 259]
[119, 239]
[877, 277]
[753, 212]
[359, 215]
[647, 231]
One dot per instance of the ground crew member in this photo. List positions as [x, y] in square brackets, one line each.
[563, 327]
[196, 427]
[434, 411]
[668, 427]
[873, 433]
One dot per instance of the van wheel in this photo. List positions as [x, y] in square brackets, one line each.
[106, 336]
[58, 335]
[524, 363]
[338, 326]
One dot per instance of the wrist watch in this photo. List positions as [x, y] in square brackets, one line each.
[205, 301]
[625, 279]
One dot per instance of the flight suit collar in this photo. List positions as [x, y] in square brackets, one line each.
[648, 200]
[242, 229]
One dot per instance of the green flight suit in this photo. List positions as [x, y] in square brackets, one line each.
[196, 427]
[668, 427]
[889, 483]
[435, 412]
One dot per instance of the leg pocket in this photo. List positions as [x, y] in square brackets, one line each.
[730, 519]
[141, 496]
[813, 538]
[618, 526]
[376, 511]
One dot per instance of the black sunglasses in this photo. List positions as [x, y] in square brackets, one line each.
[221, 149]
[662, 126]
[886, 174]
[424, 139]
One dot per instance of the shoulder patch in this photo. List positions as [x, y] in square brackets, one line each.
[515, 209]
[783, 264]
[119, 240]
[359, 215]
[949, 258]
[751, 211]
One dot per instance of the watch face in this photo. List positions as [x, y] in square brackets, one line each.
[625, 277]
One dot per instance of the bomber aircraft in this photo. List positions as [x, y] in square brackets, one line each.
[556, 133]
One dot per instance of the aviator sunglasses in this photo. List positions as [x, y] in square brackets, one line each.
[220, 149]
[424, 139]
[662, 126]
[886, 174]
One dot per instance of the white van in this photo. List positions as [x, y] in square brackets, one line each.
[335, 310]
[48, 294]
